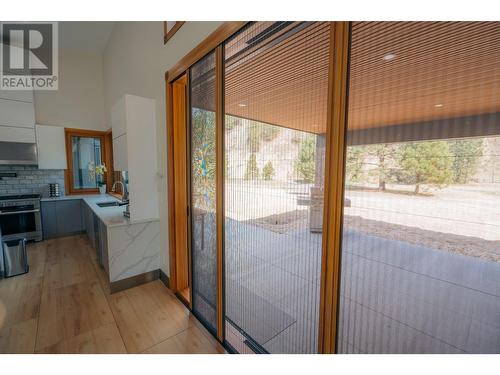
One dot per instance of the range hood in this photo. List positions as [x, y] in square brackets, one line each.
[17, 153]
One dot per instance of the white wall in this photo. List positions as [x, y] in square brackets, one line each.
[135, 62]
[79, 101]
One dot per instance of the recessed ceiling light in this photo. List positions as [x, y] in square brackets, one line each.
[439, 105]
[242, 105]
[389, 56]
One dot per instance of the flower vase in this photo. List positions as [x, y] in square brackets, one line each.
[102, 189]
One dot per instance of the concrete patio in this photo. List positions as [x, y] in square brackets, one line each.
[395, 297]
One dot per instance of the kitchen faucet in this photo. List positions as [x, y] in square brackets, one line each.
[124, 191]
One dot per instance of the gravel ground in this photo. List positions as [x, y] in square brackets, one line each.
[459, 219]
[465, 245]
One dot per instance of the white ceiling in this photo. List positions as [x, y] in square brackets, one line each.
[84, 37]
[88, 37]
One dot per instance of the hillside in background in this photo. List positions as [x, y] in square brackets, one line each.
[280, 148]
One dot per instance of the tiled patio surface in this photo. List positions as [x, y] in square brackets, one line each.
[395, 297]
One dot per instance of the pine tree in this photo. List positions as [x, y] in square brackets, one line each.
[354, 163]
[305, 162]
[252, 171]
[466, 158]
[385, 154]
[427, 163]
[268, 171]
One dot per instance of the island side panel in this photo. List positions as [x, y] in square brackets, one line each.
[133, 249]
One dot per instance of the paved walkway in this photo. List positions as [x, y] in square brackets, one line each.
[402, 298]
[395, 297]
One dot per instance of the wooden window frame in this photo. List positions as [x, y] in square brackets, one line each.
[169, 34]
[107, 156]
[334, 171]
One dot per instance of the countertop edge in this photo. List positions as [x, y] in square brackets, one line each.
[91, 200]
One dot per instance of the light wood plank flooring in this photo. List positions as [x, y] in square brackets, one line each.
[63, 305]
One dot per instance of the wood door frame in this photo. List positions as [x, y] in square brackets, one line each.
[180, 185]
[68, 173]
[167, 34]
[334, 185]
[219, 186]
[173, 194]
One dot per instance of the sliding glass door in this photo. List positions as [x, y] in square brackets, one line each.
[274, 175]
[421, 237]
[375, 234]
[203, 189]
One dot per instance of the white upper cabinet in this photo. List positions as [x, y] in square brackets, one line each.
[118, 118]
[17, 111]
[12, 134]
[21, 96]
[120, 157]
[17, 114]
[51, 147]
[133, 120]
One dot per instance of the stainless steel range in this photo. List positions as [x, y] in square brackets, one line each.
[20, 217]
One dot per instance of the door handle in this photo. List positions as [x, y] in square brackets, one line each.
[19, 212]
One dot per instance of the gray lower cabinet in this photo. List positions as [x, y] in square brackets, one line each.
[97, 234]
[104, 246]
[97, 238]
[49, 219]
[73, 216]
[89, 223]
[100, 234]
[60, 218]
[69, 216]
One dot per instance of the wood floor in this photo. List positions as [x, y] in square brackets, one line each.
[63, 305]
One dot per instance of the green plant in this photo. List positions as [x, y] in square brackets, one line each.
[252, 171]
[386, 160]
[96, 172]
[268, 171]
[427, 162]
[466, 157]
[354, 162]
[305, 162]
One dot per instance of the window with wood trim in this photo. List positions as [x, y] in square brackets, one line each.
[170, 28]
[86, 149]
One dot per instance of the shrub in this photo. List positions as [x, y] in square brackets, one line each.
[268, 171]
[305, 163]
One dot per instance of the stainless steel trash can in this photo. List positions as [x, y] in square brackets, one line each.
[2, 271]
[15, 258]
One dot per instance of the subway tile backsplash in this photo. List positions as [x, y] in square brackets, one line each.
[30, 180]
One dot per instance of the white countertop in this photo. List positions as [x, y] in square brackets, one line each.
[72, 197]
[110, 216]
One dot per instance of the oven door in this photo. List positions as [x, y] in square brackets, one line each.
[19, 221]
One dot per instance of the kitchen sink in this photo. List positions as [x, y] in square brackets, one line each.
[108, 204]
